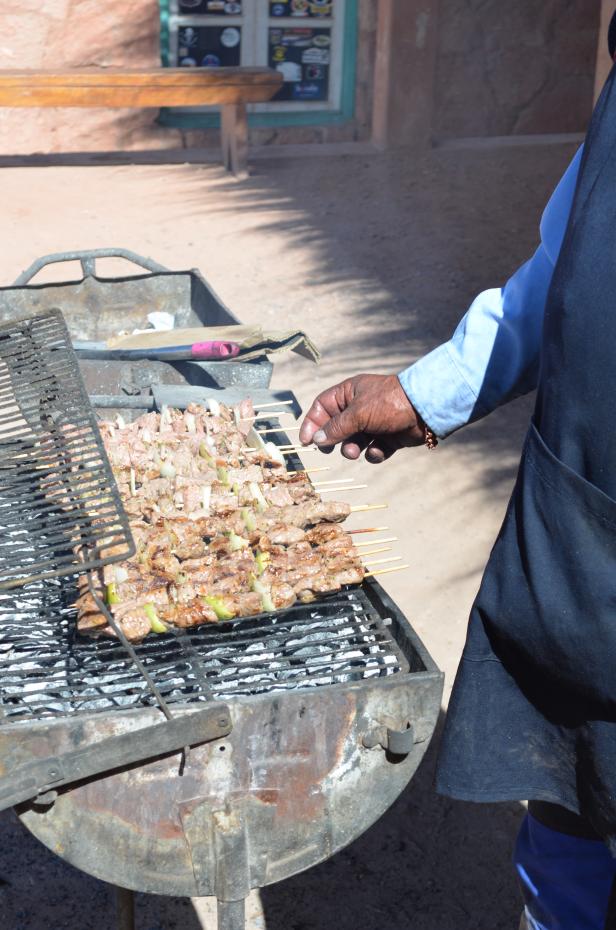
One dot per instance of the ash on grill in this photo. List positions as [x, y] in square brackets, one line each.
[47, 668]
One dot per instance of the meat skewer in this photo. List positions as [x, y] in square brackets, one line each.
[222, 530]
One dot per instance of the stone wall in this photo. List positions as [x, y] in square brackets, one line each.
[522, 66]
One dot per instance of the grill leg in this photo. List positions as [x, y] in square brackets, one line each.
[125, 902]
[231, 915]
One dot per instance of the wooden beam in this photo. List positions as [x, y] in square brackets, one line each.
[120, 87]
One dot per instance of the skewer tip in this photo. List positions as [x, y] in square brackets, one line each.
[278, 429]
[369, 529]
[360, 508]
[386, 571]
[276, 403]
[393, 558]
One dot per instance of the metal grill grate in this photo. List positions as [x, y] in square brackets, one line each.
[48, 669]
[60, 510]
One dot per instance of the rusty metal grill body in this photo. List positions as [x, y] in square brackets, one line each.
[317, 697]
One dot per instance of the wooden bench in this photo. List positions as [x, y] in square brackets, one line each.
[228, 88]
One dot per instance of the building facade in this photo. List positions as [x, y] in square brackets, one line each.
[399, 72]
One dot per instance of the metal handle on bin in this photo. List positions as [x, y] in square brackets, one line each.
[87, 258]
[396, 742]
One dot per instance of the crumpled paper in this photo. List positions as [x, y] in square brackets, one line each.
[253, 341]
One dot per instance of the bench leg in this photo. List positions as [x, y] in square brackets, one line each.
[234, 136]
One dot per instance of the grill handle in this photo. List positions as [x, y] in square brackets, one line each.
[395, 742]
[87, 258]
[36, 778]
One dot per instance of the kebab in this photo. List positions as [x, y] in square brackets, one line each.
[221, 529]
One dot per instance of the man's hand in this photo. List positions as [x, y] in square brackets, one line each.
[369, 412]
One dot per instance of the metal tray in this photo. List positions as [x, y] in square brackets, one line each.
[96, 307]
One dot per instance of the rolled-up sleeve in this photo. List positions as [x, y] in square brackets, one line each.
[493, 355]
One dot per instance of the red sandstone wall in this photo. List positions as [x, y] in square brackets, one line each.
[523, 66]
[79, 33]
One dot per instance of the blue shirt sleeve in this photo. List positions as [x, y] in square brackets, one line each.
[493, 355]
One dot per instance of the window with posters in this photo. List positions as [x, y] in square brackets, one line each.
[311, 42]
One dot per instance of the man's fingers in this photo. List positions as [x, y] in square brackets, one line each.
[340, 427]
[382, 449]
[352, 448]
[313, 421]
[323, 408]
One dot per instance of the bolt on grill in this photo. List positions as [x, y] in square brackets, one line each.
[60, 510]
[48, 669]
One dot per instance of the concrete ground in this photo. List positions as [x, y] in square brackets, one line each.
[377, 257]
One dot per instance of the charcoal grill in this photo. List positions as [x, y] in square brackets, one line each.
[304, 727]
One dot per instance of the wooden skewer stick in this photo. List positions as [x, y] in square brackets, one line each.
[349, 487]
[393, 558]
[308, 471]
[375, 551]
[375, 542]
[264, 416]
[289, 450]
[369, 529]
[279, 429]
[360, 508]
[386, 571]
[275, 404]
[320, 484]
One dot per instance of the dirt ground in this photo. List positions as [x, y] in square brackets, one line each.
[377, 257]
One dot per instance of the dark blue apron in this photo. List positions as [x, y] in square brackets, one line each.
[533, 710]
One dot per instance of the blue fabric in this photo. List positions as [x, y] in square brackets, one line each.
[565, 881]
[493, 355]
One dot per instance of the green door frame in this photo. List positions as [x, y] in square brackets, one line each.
[170, 117]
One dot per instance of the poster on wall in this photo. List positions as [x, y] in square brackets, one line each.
[209, 46]
[303, 58]
[302, 8]
[211, 7]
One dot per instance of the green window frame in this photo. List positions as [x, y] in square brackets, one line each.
[171, 117]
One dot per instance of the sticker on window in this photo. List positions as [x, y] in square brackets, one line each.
[319, 9]
[209, 46]
[210, 7]
[303, 63]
